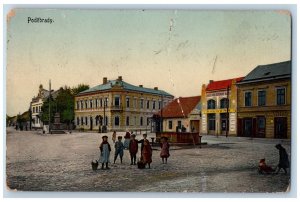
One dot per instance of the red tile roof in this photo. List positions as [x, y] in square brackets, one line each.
[180, 107]
[218, 85]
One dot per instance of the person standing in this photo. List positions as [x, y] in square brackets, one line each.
[104, 152]
[283, 159]
[164, 154]
[114, 136]
[119, 149]
[133, 149]
[127, 140]
[147, 152]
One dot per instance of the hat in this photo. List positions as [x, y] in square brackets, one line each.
[104, 137]
[262, 160]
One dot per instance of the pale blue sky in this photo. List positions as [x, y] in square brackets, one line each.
[174, 50]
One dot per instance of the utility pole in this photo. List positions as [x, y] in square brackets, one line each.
[227, 113]
[161, 113]
[49, 105]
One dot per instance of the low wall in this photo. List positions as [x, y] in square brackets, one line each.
[180, 137]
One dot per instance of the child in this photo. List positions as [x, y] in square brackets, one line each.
[104, 152]
[133, 149]
[127, 140]
[263, 168]
[114, 136]
[164, 154]
[119, 149]
[147, 152]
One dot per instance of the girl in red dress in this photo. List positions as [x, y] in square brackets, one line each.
[164, 154]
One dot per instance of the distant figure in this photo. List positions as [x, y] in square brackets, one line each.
[142, 143]
[114, 136]
[263, 168]
[127, 140]
[133, 149]
[104, 152]
[164, 154]
[283, 159]
[147, 152]
[119, 149]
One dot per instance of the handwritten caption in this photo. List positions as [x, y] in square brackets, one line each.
[40, 20]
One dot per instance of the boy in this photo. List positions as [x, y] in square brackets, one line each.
[133, 149]
[104, 152]
[119, 149]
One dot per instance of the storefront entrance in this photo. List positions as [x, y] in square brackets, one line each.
[280, 124]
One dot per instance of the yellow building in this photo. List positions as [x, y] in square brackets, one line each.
[119, 106]
[264, 102]
[219, 117]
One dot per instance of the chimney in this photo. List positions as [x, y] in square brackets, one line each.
[120, 78]
[210, 81]
[155, 88]
[104, 80]
[141, 86]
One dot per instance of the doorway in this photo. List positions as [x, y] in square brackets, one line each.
[280, 124]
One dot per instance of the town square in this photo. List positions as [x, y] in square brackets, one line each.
[149, 101]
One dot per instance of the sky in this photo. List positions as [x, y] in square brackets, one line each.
[175, 50]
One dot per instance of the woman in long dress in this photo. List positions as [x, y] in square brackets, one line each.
[164, 153]
[147, 153]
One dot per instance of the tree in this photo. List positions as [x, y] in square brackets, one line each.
[79, 88]
[45, 111]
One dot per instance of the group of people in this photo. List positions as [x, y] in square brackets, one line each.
[131, 144]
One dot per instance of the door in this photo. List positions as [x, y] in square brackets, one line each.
[240, 127]
[247, 127]
[261, 127]
[280, 124]
[195, 126]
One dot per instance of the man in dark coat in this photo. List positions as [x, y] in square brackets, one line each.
[283, 159]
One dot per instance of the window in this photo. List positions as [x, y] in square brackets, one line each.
[86, 121]
[179, 124]
[134, 103]
[33, 109]
[135, 121]
[96, 103]
[127, 121]
[77, 105]
[159, 104]
[170, 125]
[81, 102]
[148, 104]
[127, 102]
[248, 98]
[81, 120]
[78, 120]
[117, 101]
[211, 121]
[106, 121]
[261, 123]
[223, 103]
[211, 104]
[280, 96]
[148, 121]
[261, 98]
[153, 104]
[142, 103]
[86, 104]
[106, 102]
[142, 121]
[91, 104]
[117, 120]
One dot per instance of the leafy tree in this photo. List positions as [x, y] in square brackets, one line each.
[45, 111]
[79, 88]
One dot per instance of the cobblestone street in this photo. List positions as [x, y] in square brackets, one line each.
[62, 162]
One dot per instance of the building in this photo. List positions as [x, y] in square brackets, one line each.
[219, 118]
[264, 102]
[36, 106]
[119, 106]
[182, 115]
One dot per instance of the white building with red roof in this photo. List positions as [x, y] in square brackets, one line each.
[217, 117]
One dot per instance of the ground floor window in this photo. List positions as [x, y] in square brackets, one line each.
[142, 121]
[223, 117]
[117, 120]
[78, 121]
[280, 127]
[86, 120]
[211, 121]
[127, 121]
[170, 125]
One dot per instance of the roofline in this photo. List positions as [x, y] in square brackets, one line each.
[264, 79]
[110, 90]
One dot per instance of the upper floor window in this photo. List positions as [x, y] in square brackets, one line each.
[117, 101]
[91, 103]
[154, 104]
[248, 99]
[142, 103]
[141, 121]
[261, 101]
[81, 103]
[159, 104]
[127, 102]
[211, 104]
[223, 103]
[96, 103]
[86, 104]
[280, 96]
[147, 104]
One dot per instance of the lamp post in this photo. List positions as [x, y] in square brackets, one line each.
[49, 106]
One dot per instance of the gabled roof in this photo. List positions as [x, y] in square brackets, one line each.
[267, 72]
[222, 84]
[180, 107]
[126, 86]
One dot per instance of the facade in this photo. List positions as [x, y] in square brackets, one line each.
[264, 102]
[118, 105]
[182, 115]
[219, 118]
[36, 107]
